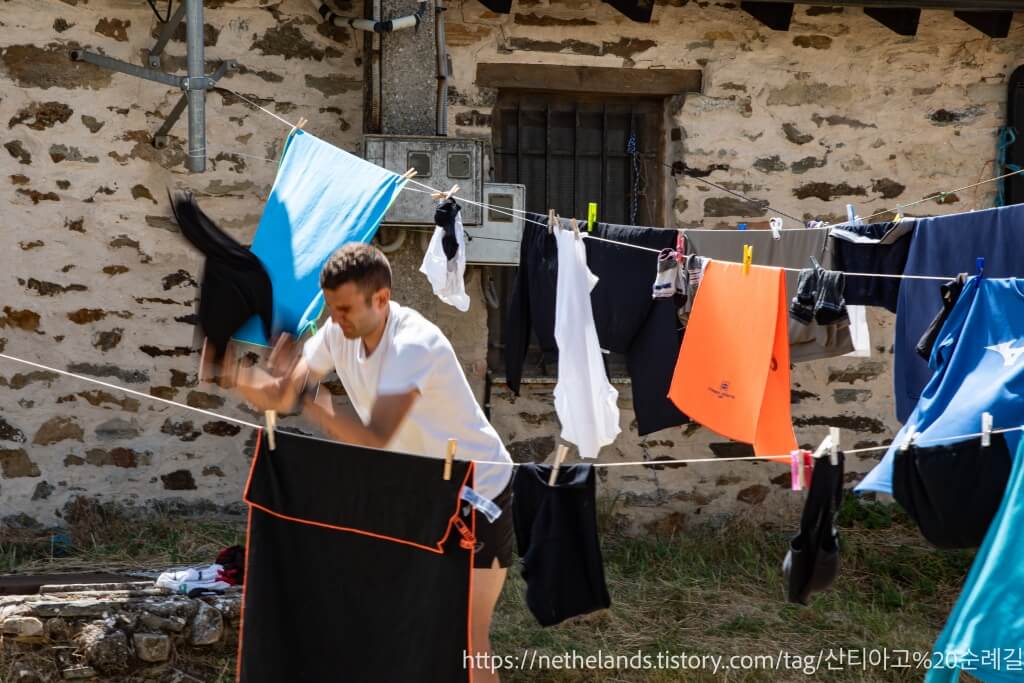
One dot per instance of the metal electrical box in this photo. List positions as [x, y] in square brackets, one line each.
[496, 241]
[440, 162]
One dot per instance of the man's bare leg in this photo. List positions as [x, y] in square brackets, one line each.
[487, 585]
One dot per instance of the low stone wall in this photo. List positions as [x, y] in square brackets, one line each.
[114, 633]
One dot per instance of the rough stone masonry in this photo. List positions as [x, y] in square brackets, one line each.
[96, 279]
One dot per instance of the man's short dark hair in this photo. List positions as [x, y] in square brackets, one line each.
[362, 264]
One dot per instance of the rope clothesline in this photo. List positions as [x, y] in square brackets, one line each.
[649, 463]
[511, 211]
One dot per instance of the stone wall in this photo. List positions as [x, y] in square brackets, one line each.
[97, 280]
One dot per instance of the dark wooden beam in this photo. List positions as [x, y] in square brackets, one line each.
[665, 82]
[774, 15]
[902, 20]
[992, 24]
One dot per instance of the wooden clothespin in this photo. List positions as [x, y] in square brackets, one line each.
[833, 447]
[986, 430]
[575, 228]
[748, 257]
[909, 441]
[559, 458]
[411, 173]
[302, 122]
[449, 458]
[552, 221]
[445, 196]
[591, 216]
[270, 416]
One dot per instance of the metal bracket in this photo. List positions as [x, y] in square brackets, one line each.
[160, 137]
[165, 35]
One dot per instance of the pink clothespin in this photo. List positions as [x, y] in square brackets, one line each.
[801, 465]
[680, 245]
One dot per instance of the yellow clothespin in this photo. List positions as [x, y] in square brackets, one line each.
[559, 458]
[445, 196]
[591, 216]
[411, 173]
[575, 228]
[748, 257]
[552, 221]
[271, 419]
[448, 459]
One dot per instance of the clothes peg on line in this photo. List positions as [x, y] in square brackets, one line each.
[986, 430]
[445, 196]
[270, 417]
[748, 257]
[559, 458]
[799, 465]
[552, 221]
[449, 458]
[411, 173]
[680, 245]
[575, 227]
[775, 223]
[909, 441]
[833, 446]
[591, 216]
[301, 122]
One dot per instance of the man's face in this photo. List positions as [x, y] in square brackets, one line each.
[349, 308]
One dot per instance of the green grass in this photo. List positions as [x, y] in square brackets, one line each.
[711, 590]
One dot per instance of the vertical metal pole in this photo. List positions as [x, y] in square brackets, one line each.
[196, 95]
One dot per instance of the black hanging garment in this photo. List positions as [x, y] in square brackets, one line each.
[950, 295]
[952, 491]
[235, 284]
[556, 533]
[812, 562]
[627, 319]
[358, 566]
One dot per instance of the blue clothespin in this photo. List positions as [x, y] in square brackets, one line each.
[980, 264]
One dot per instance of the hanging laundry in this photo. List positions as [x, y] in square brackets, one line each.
[859, 332]
[235, 285]
[879, 248]
[819, 297]
[627, 319]
[323, 197]
[950, 293]
[735, 380]
[944, 246]
[988, 618]
[812, 561]
[793, 249]
[387, 545]
[585, 401]
[976, 367]
[952, 491]
[444, 262]
[556, 533]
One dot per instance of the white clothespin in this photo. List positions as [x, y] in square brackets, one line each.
[559, 458]
[445, 196]
[270, 416]
[909, 441]
[449, 458]
[833, 446]
[986, 430]
[851, 215]
[775, 224]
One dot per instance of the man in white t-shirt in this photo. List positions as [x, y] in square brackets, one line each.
[409, 393]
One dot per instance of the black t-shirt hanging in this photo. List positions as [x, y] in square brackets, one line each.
[812, 562]
[356, 569]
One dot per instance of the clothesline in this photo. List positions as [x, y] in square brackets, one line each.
[753, 458]
[511, 211]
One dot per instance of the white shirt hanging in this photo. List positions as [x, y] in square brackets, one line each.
[585, 400]
[859, 332]
[446, 275]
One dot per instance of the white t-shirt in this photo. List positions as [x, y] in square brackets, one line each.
[414, 354]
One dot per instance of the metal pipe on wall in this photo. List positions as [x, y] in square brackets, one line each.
[196, 86]
[442, 68]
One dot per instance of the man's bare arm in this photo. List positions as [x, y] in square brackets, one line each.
[385, 419]
[279, 389]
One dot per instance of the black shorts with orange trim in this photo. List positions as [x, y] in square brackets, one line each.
[495, 540]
